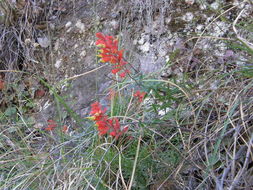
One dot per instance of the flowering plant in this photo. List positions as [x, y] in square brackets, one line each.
[52, 125]
[110, 53]
[140, 95]
[104, 124]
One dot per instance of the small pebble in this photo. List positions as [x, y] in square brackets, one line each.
[58, 63]
[68, 24]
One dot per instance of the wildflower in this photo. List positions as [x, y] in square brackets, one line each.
[39, 93]
[115, 128]
[104, 124]
[97, 112]
[139, 95]
[107, 42]
[123, 74]
[109, 53]
[98, 115]
[65, 129]
[103, 127]
[51, 125]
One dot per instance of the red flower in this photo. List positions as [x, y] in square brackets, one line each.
[107, 42]
[97, 112]
[116, 129]
[123, 74]
[65, 129]
[139, 95]
[114, 71]
[51, 125]
[103, 127]
[104, 124]
[109, 53]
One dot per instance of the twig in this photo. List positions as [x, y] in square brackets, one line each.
[11, 71]
[80, 75]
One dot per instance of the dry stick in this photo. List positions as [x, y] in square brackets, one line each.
[80, 75]
[245, 42]
[135, 163]
[11, 71]
[211, 37]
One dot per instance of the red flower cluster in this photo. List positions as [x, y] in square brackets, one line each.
[109, 53]
[104, 124]
[139, 95]
[52, 125]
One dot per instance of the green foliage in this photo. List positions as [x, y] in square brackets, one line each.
[107, 161]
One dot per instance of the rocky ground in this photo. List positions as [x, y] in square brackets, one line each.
[149, 32]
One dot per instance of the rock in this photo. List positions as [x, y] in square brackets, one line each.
[145, 47]
[164, 111]
[219, 28]
[44, 42]
[114, 24]
[167, 20]
[215, 5]
[52, 26]
[83, 53]
[199, 28]
[141, 41]
[28, 41]
[169, 35]
[68, 24]
[188, 17]
[80, 26]
[149, 63]
[190, 2]
[38, 125]
[58, 63]
[162, 52]
[202, 6]
[36, 45]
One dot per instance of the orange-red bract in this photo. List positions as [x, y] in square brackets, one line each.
[109, 53]
[140, 95]
[51, 125]
[104, 124]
